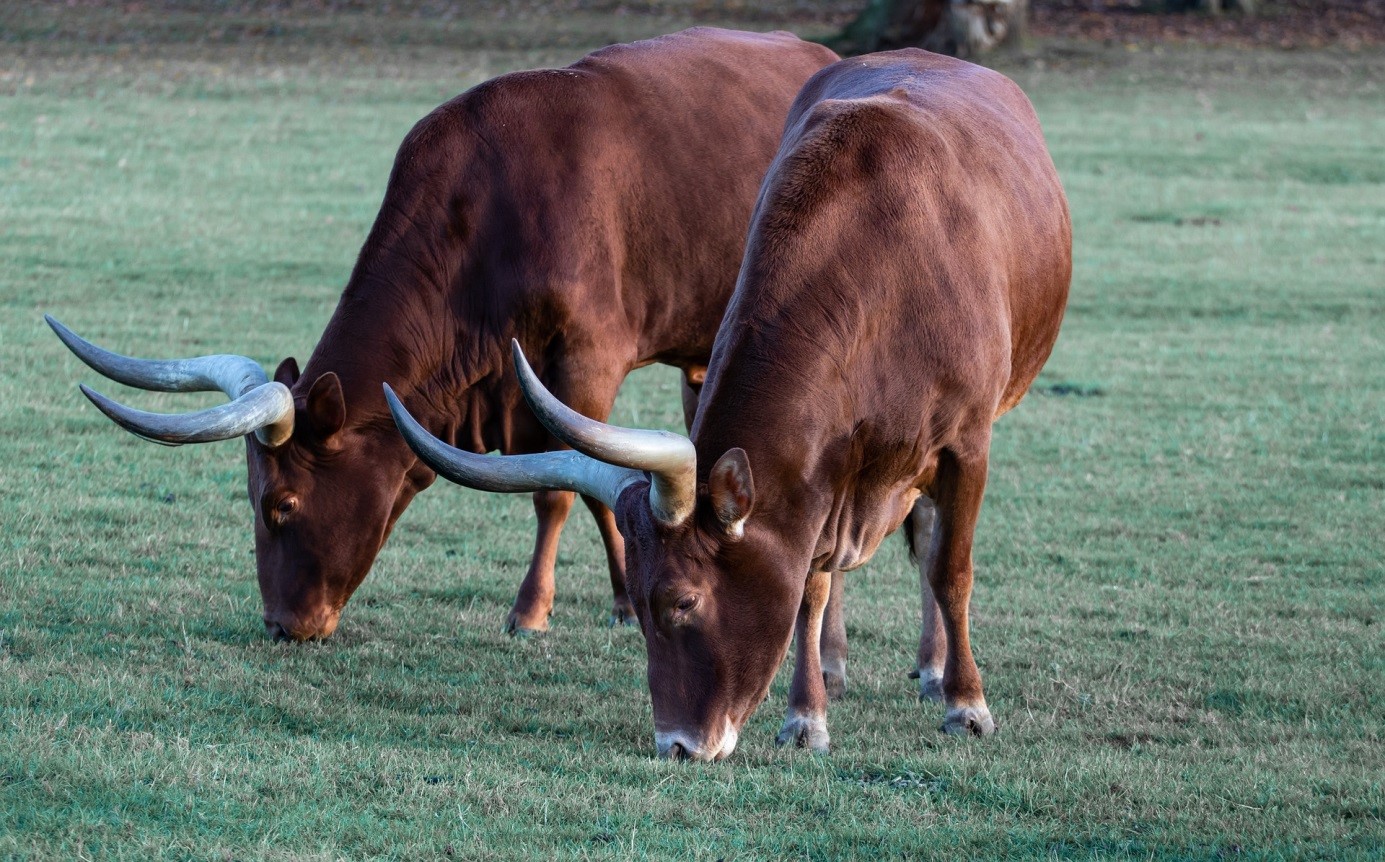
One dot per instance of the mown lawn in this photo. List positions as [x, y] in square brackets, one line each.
[1180, 609]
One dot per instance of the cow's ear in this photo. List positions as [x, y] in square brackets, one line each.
[326, 406]
[287, 372]
[732, 491]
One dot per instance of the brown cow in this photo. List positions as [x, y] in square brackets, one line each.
[904, 280]
[596, 213]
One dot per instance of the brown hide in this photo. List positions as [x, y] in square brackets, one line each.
[904, 280]
[595, 213]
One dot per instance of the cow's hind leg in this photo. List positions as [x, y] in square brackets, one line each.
[622, 612]
[834, 640]
[923, 547]
[693, 378]
[590, 393]
[534, 603]
[958, 488]
[806, 722]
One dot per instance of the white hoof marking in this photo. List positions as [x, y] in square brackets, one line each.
[930, 684]
[969, 721]
[805, 731]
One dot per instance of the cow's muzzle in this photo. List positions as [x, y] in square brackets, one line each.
[301, 627]
[681, 745]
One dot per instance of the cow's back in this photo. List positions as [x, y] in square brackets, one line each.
[639, 162]
[911, 219]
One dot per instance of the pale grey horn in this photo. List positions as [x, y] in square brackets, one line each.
[258, 405]
[544, 471]
[670, 459]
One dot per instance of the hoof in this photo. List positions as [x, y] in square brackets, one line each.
[622, 614]
[516, 626]
[930, 683]
[969, 721]
[804, 731]
[835, 684]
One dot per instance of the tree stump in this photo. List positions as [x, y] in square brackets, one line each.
[1211, 7]
[962, 28]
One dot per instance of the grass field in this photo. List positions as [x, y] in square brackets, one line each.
[1180, 604]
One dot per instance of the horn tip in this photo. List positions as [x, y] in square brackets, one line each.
[401, 415]
[102, 403]
[391, 399]
[74, 342]
[58, 329]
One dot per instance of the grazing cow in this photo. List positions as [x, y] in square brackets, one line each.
[904, 280]
[596, 213]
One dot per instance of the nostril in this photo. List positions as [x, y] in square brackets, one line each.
[275, 632]
[678, 752]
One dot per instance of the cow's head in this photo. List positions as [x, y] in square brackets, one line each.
[324, 502]
[714, 588]
[716, 603]
[325, 491]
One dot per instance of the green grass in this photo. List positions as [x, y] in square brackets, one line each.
[1181, 571]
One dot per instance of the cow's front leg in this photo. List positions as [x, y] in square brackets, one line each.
[957, 491]
[834, 640]
[806, 723]
[622, 612]
[534, 603]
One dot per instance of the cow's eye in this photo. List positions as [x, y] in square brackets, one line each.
[684, 607]
[282, 509]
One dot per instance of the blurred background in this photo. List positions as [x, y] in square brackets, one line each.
[971, 27]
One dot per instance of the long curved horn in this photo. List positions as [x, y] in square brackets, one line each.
[566, 471]
[670, 459]
[258, 404]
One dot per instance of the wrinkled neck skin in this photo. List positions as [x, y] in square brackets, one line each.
[421, 310]
[443, 370]
[449, 371]
[804, 463]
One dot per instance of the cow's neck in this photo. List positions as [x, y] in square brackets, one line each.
[445, 369]
[814, 484]
[406, 316]
[783, 445]
[792, 400]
